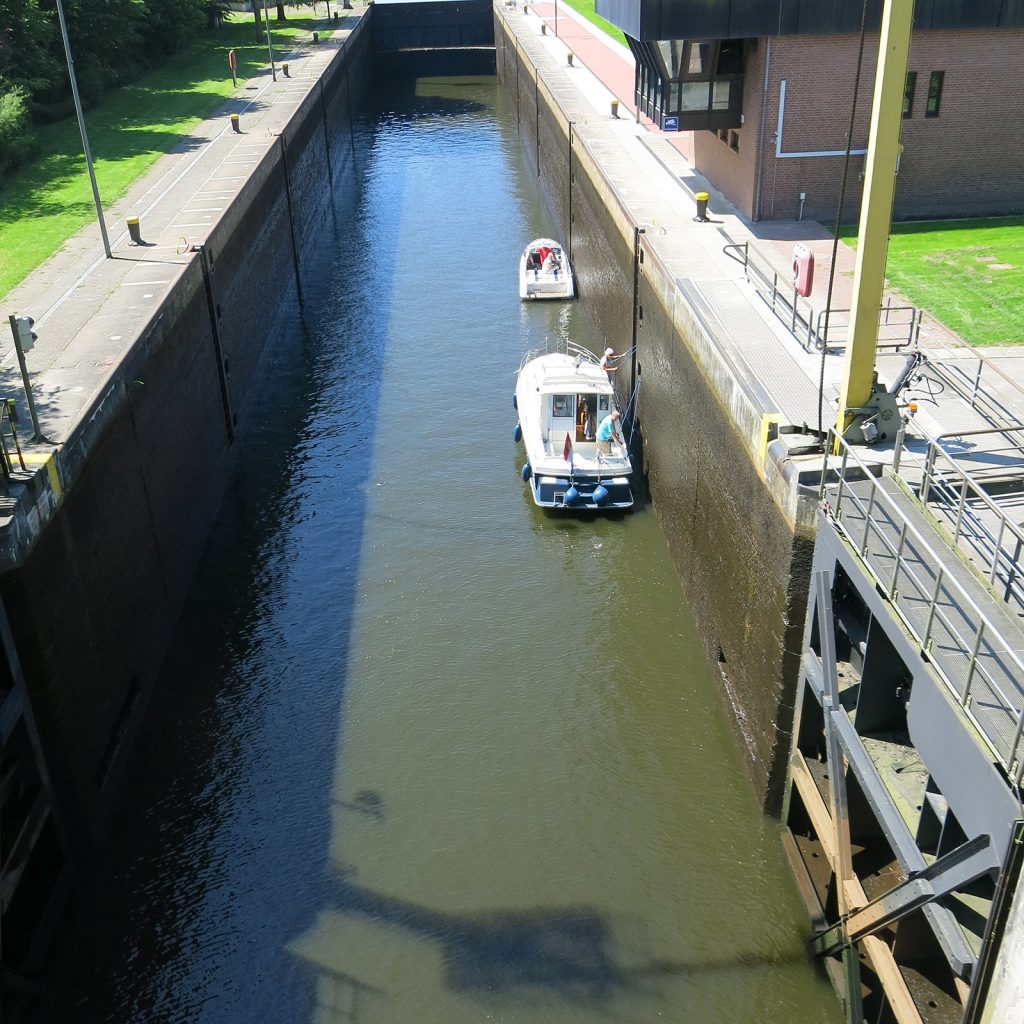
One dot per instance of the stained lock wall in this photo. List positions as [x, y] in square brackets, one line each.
[94, 602]
[744, 562]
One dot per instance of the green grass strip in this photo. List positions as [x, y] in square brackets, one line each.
[969, 274]
[586, 8]
[47, 201]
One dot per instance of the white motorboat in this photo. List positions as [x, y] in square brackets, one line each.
[563, 399]
[545, 272]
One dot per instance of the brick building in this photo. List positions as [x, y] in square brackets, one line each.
[767, 87]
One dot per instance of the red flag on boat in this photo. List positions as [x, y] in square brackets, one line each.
[567, 448]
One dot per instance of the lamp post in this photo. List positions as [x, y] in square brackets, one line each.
[270, 48]
[81, 128]
[556, 19]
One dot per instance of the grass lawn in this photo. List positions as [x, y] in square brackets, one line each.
[969, 274]
[47, 201]
[586, 8]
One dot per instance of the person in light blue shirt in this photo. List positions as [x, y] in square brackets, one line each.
[606, 432]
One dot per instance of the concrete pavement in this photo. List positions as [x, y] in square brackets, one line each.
[764, 349]
[88, 309]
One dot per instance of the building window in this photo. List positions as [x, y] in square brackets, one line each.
[934, 94]
[908, 94]
[723, 135]
[734, 141]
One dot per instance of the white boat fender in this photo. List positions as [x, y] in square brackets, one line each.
[526, 472]
[572, 495]
[601, 495]
[517, 433]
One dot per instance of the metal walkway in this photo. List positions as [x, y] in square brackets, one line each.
[962, 627]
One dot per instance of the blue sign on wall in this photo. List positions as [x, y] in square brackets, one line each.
[670, 124]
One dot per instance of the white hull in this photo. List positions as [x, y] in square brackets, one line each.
[545, 271]
[561, 400]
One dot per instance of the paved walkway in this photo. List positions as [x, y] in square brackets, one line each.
[612, 67]
[88, 309]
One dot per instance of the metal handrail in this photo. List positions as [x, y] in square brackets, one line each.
[6, 458]
[798, 314]
[969, 386]
[1010, 760]
[885, 315]
[958, 491]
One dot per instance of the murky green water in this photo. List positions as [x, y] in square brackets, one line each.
[422, 753]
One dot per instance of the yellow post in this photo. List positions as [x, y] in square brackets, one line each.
[876, 208]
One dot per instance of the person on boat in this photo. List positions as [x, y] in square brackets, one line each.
[551, 264]
[607, 359]
[543, 252]
[606, 431]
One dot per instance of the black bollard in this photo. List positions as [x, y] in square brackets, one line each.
[234, 124]
[134, 230]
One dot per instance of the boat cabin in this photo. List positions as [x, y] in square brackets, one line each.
[575, 414]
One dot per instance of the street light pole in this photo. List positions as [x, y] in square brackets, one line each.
[270, 48]
[556, 18]
[81, 128]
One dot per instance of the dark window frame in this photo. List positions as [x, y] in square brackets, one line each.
[934, 102]
[909, 88]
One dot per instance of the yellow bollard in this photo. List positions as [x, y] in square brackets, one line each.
[234, 124]
[284, 68]
[615, 108]
[135, 230]
[569, 57]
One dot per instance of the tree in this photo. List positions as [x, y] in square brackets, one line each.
[280, 12]
[29, 47]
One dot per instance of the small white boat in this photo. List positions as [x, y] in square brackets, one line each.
[565, 402]
[545, 272]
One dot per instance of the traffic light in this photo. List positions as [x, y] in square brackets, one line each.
[23, 332]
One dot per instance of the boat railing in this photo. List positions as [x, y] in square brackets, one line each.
[559, 345]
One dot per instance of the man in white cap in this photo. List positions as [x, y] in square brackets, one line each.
[606, 360]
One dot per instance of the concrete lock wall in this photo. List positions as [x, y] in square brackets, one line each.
[740, 534]
[103, 553]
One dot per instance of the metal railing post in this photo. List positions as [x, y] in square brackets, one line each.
[973, 663]
[867, 519]
[931, 610]
[1014, 750]
[1011, 575]
[998, 548]
[926, 474]
[899, 559]
[842, 471]
[960, 511]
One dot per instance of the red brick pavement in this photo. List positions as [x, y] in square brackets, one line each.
[604, 58]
